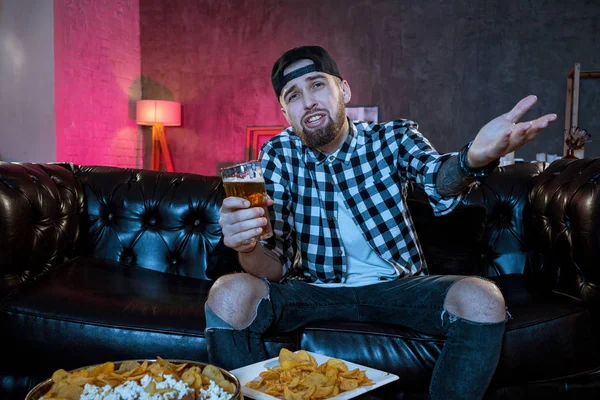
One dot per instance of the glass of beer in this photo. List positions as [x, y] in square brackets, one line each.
[246, 180]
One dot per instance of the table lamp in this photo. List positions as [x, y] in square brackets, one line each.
[158, 114]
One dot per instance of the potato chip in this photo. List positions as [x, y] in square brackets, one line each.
[140, 369]
[70, 392]
[227, 386]
[108, 380]
[189, 376]
[213, 373]
[322, 392]
[347, 384]
[314, 378]
[60, 375]
[289, 395]
[335, 364]
[79, 380]
[105, 368]
[128, 366]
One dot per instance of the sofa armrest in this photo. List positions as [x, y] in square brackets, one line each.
[565, 218]
[40, 209]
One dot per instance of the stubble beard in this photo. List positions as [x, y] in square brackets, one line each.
[317, 138]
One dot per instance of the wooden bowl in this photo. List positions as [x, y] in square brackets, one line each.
[43, 387]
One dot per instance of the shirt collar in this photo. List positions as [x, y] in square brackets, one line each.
[343, 154]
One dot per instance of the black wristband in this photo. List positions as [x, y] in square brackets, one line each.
[467, 170]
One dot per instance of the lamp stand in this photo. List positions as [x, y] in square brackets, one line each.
[160, 148]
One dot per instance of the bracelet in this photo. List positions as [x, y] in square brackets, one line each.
[467, 170]
[251, 250]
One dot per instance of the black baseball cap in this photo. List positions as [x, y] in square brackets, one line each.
[322, 63]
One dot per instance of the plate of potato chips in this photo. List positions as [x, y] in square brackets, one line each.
[303, 375]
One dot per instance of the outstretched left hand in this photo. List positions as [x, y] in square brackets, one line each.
[505, 133]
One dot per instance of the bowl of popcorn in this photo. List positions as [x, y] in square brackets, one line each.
[157, 379]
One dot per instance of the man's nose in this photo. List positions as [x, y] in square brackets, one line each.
[309, 102]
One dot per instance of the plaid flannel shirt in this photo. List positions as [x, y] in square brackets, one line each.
[371, 170]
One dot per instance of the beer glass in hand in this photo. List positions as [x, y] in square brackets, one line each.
[246, 181]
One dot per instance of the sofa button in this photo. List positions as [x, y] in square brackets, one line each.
[152, 221]
[174, 261]
[110, 217]
[197, 222]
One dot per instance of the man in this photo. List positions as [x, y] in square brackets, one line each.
[340, 217]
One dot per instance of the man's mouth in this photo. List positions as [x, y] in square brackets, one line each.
[315, 120]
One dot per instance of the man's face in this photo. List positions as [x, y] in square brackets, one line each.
[314, 105]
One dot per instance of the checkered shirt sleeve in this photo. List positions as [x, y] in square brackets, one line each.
[420, 162]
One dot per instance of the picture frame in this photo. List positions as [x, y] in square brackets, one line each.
[363, 113]
[256, 136]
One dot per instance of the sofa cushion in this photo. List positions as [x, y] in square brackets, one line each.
[549, 336]
[452, 244]
[91, 311]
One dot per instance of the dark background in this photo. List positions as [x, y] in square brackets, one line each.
[451, 66]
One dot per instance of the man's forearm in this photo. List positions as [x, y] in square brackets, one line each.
[262, 263]
[450, 179]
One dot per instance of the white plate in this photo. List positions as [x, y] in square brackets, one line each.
[251, 372]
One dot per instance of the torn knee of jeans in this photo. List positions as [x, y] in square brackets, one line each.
[451, 317]
[241, 321]
[253, 317]
[255, 314]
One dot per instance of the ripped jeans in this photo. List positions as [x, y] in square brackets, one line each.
[463, 370]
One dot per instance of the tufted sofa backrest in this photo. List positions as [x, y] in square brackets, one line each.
[544, 221]
[166, 222]
[507, 236]
[565, 215]
[41, 207]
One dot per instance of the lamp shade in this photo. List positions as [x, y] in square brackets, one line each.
[148, 112]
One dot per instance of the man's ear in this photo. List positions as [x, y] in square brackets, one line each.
[285, 115]
[346, 92]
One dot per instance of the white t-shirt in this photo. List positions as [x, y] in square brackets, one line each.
[365, 267]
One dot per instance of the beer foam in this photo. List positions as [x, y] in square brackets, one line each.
[244, 179]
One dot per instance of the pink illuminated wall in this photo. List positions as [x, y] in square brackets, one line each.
[215, 58]
[97, 81]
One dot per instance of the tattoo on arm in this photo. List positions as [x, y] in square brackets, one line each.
[271, 255]
[450, 179]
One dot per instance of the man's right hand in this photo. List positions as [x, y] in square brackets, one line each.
[240, 223]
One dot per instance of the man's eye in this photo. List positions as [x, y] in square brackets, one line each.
[292, 97]
[318, 85]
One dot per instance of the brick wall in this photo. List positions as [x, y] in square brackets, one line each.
[97, 81]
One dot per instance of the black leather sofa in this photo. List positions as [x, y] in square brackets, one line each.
[100, 263]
